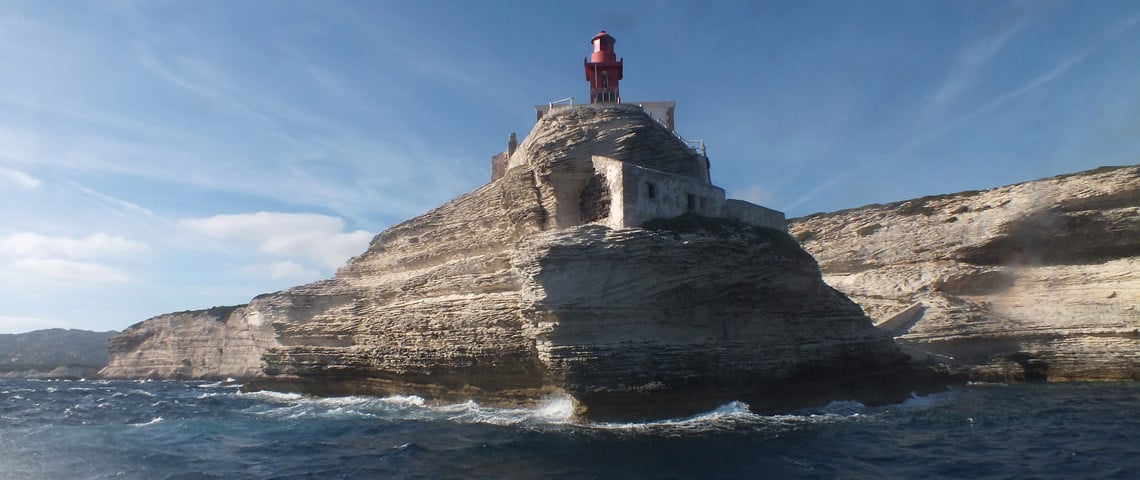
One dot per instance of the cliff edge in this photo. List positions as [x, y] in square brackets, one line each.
[1034, 281]
[544, 281]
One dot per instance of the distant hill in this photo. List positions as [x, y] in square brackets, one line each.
[53, 353]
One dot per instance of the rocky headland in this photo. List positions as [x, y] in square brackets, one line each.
[1034, 281]
[530, 286]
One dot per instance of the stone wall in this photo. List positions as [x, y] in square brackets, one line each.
[638, 194]
[753, 214]
[646, 194]
[499, 165]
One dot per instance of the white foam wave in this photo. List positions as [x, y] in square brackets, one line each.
[843, 407]
[737, 416]
[925, 402]
[269, 395]
[726, 415]
[229, 382]
[558, 411]
[553, 410]
[986, 384]
[145, 424]
[412, 400]
[143, 393]
[133, 391]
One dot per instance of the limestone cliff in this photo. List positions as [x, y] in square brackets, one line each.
[216, 343]
[518, 290]
[1039, 280]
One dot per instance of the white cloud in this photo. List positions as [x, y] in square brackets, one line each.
[317, 238]
[31, 258]
[68, 271]
[20, 179]
[28, 244]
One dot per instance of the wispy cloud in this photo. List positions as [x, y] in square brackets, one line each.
[18, 178]
[29, 244]
[67, 272]
[925, 136]
[972, 58]
[299, 236]
[116, 205]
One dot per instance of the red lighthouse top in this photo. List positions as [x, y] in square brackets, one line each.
[603, 70]
[603, 48]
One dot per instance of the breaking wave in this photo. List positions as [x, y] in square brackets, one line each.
[558, 412]
[124, 429]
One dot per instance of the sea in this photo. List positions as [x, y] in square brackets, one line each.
[73, 430]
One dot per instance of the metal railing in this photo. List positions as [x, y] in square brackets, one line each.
[604, 95]
[697, 145]
[694, 145]
[565, 102]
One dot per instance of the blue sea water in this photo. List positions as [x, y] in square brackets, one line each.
[191, 430]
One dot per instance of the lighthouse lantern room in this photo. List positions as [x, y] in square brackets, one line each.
[603, 70]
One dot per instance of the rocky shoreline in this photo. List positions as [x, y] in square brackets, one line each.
[523, 288]
[1034, 281]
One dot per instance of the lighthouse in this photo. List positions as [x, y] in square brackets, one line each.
[603, 70]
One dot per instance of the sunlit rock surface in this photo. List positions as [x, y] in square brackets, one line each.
[1039, 280]
[493, 296]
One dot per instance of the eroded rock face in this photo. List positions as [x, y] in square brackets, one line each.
[567, 138]
[216, 343]
[487, 297]
[1039, 280]
[634, 320]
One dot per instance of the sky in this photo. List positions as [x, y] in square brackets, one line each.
[160, 156]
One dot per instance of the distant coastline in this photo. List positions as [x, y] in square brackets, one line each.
[53, 354]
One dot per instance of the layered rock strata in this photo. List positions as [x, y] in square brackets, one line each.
[518, 290]
[1039, 280]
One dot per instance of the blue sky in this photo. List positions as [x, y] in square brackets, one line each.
[158, 156]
